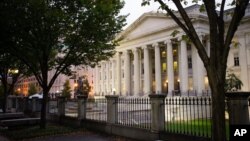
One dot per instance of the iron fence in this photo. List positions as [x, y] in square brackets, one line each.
[97, 109]
[134, 112]
[71, 108]
[188, 115]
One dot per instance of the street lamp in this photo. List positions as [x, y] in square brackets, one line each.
[114, 91]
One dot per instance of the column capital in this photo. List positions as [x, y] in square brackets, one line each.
[144, 47]
[155, 44]
[126, 51]
[168, 41]
[135, 49]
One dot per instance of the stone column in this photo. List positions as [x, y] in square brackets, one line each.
[158, 112]
[243, 63]
[170, 67]
[108, 89]
[97, 78]
[118, 73]
[112, 109]
[200, 72]
[34, 104]
[238, 108]
[158, 84]
[102, 79]
[147, 82]
[127, 73]
[183, 68]
[61, 106]
[136, 72]
[82, 106]
[113, 77]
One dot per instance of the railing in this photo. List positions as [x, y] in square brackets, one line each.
[97, 110]
[71, 108]
[188, 115]
[134, 112]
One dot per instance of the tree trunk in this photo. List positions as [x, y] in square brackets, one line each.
[218, 117]
[44, 109]
[218, 106]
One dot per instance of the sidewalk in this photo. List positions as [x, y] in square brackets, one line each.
[3, 138]
[81, 136]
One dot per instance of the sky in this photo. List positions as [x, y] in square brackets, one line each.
[135, 10]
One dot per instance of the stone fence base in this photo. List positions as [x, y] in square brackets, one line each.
[119, 130]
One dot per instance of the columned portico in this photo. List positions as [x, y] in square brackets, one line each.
[170, 67]
[136, 72]
[127, 73]
[243, 63]
[158, 80]
[113, 76]
[200, 72]
[118, 73]
[183, 69]
[147, 75]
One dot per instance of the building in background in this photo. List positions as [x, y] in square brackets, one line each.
[150, 60]
[22, 85]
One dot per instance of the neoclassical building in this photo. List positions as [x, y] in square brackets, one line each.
[150, 60]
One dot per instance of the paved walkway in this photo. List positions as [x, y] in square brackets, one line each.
[3, 138]
[82, 136]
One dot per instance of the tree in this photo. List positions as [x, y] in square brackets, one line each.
[32, 89]
[11, 69]
[221, 35]
[54, 35]
[66, 90]
[233, 83]
[83, 86]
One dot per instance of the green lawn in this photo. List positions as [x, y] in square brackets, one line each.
[197, 127]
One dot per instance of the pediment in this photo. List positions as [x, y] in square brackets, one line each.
[147, 24]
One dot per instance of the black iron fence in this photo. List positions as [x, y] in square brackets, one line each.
[188, 115]
[97, 109]
[134, 112]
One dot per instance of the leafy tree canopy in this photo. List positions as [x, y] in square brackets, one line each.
[66, 89]
[54, 35]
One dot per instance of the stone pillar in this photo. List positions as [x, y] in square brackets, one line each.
[97, 79]
[147, 82]
[238, 108]
[158, 112]
[118, 73]
[183, 68]
[9, 103]
[127, 73]
[136, 72]
[102, 79]
[82, 106]
[61, 106]
[112, 109]
[200, 73]
[243, 63]
[170, 67]
[34, 104]
[113, 77]
[108, 89]
[158, 84]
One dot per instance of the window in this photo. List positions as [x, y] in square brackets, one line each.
[236, 59]
[189, 62]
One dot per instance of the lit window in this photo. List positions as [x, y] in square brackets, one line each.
[189, 62]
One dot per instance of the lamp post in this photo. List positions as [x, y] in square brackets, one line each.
[113, 91]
